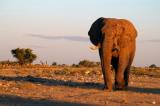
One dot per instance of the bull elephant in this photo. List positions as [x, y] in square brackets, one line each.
[116, 41]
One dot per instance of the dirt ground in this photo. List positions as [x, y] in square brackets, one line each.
[46, 87]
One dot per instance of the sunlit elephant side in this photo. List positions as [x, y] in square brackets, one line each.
[116, 40]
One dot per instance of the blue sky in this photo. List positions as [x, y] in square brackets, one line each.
[57, 29]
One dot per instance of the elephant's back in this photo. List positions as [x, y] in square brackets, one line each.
[119, 27]
[128, 28]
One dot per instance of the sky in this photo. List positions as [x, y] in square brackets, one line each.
[57, 30]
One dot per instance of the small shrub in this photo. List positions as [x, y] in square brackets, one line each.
[75, 65]
[60, 72]
[64, 71]
[54, 64]
[153, 66]
[87, 63]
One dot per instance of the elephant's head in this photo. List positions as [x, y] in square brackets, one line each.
[95, 32]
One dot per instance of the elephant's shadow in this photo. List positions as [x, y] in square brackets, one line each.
[144, 90]
[54, 82]
[84, 85]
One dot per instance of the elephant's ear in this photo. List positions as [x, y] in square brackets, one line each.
[95, 32]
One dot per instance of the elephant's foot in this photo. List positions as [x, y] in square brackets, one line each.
[120, 86]
[104, 87]
[126, 83]
[108, 89]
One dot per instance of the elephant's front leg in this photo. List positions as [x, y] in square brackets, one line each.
[106, 60]
[107, 77]
[122, 65]
[102, 67]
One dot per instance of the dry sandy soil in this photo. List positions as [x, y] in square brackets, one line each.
[51, 86]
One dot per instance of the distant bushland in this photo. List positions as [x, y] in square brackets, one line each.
[88, 63]
[8, 62]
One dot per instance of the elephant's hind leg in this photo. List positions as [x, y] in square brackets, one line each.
[114, 63]
[127, 71]
[122, 65]
[126, 75]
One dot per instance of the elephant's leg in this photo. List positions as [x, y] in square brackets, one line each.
[122, 65]
[108, 78]
[127, 71]
[114, 63]
[102, 66]
[106, 58]
[126, 75]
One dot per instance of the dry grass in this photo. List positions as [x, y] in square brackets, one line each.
[154, 72]
[66, 85]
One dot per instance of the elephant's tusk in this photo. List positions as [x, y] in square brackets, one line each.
[95, 47]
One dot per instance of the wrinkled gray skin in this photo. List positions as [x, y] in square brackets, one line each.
[117, 40]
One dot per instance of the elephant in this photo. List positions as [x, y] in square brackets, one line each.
[116, 42]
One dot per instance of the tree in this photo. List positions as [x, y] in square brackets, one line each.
[153, 66]
[23, 55]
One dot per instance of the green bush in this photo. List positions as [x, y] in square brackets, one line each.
[23, 55]
[153, 66]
